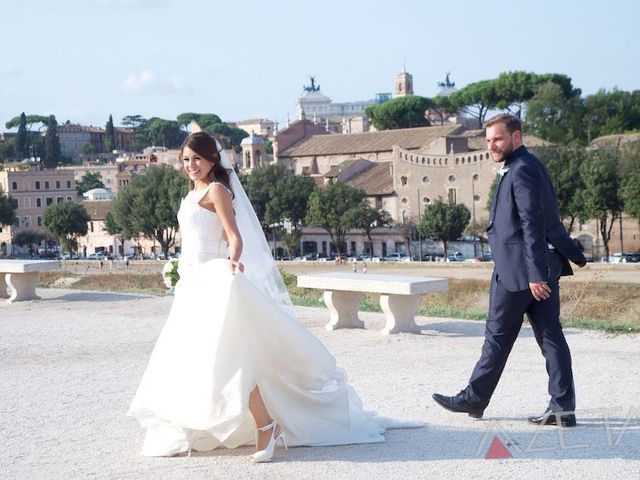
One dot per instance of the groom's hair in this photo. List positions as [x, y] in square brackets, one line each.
[510, 121]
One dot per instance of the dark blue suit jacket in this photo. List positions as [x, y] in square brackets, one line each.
[524, 221]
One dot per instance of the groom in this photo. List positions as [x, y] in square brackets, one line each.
[530, 248]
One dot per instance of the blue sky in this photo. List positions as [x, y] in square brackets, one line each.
[82, 60]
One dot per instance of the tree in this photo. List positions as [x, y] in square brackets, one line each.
[8, 207]
[30, 121]
[113, 228]
[228, 136]
[630, 193]
[401, 112]
[552, 116]
[329, 208]
[442, 108]
[133, 121]
[630, 174]
[89, 181]
[563, 165]
[211, 123]
[612, 112]
[28, 238]
[514, 89]
[443, 221]
[365, 217]
[476, 99]
[260, 185]
[22, 138]
[139, 125]
[52, 153]
[66, 221]
[289, 199]
[203, 119]
[292, 242]
[149, 205]
[163, 132]
[109, 136]
[600, 197]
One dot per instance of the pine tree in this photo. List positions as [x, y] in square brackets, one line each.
[109, 136]
[22, 138]
[51, 144]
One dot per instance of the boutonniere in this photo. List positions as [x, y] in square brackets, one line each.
[502, 171]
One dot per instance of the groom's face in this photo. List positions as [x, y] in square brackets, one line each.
[500, 142]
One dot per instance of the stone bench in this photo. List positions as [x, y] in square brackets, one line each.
[399, 297]
[21, 276]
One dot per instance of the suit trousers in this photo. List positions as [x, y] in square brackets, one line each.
[506, 314]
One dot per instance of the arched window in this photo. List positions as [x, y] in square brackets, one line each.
[403, 180]
[452, 178]
[425, 179]
[425, 200]
[404, 200]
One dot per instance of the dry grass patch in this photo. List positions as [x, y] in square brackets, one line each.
[613, 307]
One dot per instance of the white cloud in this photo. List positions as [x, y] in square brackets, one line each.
[137, 82]
[148, 81]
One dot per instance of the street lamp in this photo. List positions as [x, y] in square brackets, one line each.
[473, 210]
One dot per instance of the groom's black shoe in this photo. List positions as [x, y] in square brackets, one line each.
[551, 418]
[458, 403]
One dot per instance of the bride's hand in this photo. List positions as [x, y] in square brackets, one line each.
[236, 265]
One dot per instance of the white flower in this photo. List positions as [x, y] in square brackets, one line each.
[502, 171]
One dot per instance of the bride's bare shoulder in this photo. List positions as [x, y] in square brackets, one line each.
[217, 196]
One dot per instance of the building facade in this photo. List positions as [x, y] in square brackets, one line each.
[34, 190]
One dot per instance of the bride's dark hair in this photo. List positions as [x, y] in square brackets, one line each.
[205, 145]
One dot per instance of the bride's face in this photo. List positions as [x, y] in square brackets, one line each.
[196, 167]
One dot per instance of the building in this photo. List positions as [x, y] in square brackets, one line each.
[76, 139]
[318, 154]
[34, 190]
[99, 240]
[259, 126]
[403, 85]
[319, 108]
[108, 173]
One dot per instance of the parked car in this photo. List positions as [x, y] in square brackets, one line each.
[455, 257]
[96, 256]
[624, 258]
[396, 257]
[486, 257]
[69, 256]
[432, 257]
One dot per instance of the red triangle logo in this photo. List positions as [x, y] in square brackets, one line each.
[497, 450]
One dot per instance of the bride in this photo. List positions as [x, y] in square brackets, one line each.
[232, 366]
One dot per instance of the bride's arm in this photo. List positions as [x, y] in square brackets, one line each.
[219, 200]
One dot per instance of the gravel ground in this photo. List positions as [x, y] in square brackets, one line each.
[70, 364]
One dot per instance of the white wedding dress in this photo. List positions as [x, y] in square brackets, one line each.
[222, 338]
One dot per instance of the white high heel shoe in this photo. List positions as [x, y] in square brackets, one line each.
[267, 454]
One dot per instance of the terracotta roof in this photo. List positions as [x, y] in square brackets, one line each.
[377, 180]
[335, 171]
[477, 140]
[409, 138]
[97, 209]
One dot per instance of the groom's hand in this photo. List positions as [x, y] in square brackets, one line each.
[539, 290]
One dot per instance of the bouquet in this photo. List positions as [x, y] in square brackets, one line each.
[170, 275]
